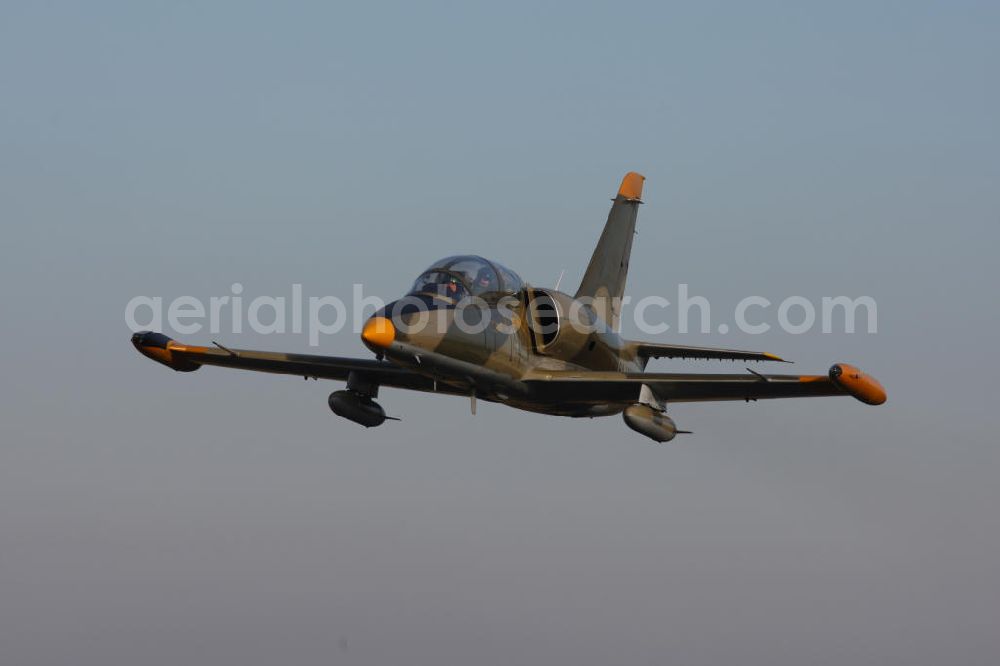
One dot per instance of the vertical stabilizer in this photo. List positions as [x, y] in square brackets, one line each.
[604, 280]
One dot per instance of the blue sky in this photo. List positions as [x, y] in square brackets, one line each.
[790, 149]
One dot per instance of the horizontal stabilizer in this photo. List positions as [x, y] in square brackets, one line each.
[655, 350]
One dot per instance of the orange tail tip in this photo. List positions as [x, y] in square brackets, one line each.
[631, 186]
[864, 387]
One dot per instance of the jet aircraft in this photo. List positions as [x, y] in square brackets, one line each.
[527, 347]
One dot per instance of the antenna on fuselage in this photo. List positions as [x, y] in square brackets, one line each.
[559, 281]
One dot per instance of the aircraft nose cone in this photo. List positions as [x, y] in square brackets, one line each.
[378, 333]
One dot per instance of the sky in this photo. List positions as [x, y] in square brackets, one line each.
[811, 149]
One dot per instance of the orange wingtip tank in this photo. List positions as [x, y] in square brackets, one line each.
[864, 387]
[631, 185]
[161, 349]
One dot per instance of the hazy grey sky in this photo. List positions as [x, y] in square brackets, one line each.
[150, 517]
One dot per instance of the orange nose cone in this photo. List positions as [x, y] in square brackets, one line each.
[378, 332]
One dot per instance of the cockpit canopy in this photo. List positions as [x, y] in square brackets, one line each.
[454, 278]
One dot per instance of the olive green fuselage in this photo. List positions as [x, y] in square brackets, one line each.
[489, 350]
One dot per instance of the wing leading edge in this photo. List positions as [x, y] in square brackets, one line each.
[186, 358]
[603, 387]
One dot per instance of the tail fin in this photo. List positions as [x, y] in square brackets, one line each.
[604, 280]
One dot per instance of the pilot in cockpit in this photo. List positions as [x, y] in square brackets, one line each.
[486, 281]
[454, 289]
[455, 278]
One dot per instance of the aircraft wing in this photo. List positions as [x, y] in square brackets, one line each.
[616, 387]
[561, 386]
[657, 350]
[186, 358]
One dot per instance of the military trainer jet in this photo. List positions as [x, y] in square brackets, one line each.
[471, 327]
